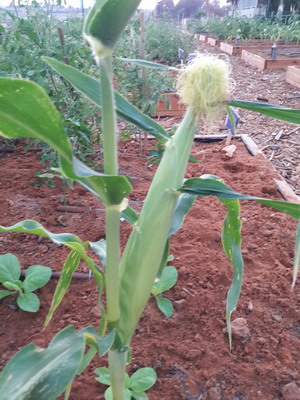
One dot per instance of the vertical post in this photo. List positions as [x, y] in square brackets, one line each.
[82, 8]
[142, 56]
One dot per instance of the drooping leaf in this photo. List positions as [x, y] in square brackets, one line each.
[129, 215]
[90, 88]
[17, 101]
[100, 249]
[143, 379]
[284, 114]
[149, 64]
[231, 241]
[36, 276]
[212, 187]
[10, 268]
[297, 256]
[28, 302]
[165, 306]
[12, 285]
[37, 373]
[63, 283]
[167, 280]
[184, 204]
[139, 396]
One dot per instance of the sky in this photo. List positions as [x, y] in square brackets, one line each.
[146, 4]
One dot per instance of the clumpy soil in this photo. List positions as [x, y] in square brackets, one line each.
[189, 351]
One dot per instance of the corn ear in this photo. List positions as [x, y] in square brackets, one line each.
[145, 249]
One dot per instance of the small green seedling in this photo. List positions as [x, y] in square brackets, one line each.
[166, 282]
[36, 276]
[135, 385]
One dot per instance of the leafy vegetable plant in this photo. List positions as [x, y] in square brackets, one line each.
[36, 276]
[165, 282]
[127, 278]
[135, 385]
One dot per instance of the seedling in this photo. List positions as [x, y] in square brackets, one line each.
[135, 385]
[165, 282]
[36, 276]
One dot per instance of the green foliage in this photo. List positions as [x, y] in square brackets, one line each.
[166, 281]
[163, 39]
[135, 385]
[36, 276]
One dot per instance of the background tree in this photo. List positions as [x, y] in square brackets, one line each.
[187, 8]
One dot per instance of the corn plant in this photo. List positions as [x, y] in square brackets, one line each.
[127, 278]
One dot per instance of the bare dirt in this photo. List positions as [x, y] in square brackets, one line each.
[189, 350]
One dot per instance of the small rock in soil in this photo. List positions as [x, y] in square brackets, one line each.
[291, 391]
[179, 304]
[240, 329]
[213, 394]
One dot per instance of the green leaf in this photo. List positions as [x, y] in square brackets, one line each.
[90, 88]
[204, 186]
[36, 276]
[28, 302]
[4, 293]
[284, 114]
[231, 241]
[109, 396]
[107, 20]
[103, 343]
[148, 64]
[104, 376]
[139, 396]
[100, 249]
[165, 306]
[63, 283]
[10, 268]
[143, 379]
[130, 215]
[167, 280]
[184, 204]
[17, 101]
[297, 256]
[12, 286]
[43, 374]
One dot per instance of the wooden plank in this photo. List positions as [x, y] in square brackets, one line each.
[293, 76]
[286, 191]
[212, 41]
[261, 62]
[203, 38]
[251, 145]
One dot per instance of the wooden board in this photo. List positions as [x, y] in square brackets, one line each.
[233, 49]
[168, 106]
[203, 38]
[213, 41]
[293, 76]
[263, 62]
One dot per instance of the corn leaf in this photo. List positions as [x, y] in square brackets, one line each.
[63, 283]
[148, 64]
[26, 110]
[37, 373]
[107, 20]
[284, 114]
[211, 187]
[184, 204]
[231, 241]
[297, 256]
[90, 88]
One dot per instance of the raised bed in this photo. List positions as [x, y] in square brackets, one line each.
[232, 48]
[168, 106]
[203, 38]
[261, 58]
[213, 41]
[293, 76]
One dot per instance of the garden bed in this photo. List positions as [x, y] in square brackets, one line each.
[189, 350]
[293, 76]
[261, 58]
[230, 47]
